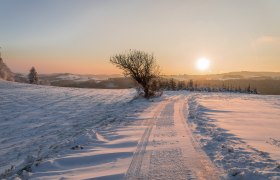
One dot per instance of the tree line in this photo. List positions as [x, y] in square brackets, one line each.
[163, 84]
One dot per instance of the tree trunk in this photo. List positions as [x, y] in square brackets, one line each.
[146, 91]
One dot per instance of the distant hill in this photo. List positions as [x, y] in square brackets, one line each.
[76, 77]
[265, 82]
[111, 83]
[82, 81]
[245, 75]
[5, 72]
[68, 77]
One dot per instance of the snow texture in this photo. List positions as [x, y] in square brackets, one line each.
[240, 133]
[67, 133]
[37, 122]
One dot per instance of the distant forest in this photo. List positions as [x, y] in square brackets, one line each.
[263, 85]
[268, 87]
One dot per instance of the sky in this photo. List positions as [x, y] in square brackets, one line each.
[58, 36]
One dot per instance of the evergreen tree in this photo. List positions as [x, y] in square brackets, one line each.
[195, 86]
[163, 84]
[33, 76]
[223, 87]
[239, 89]
[190, 85]
[181, 85]
[249, 89]
[172, 85]
[255, 91]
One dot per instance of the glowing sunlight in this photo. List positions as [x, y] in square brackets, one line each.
[202, 64]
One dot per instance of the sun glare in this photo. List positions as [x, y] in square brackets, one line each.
[202, 64]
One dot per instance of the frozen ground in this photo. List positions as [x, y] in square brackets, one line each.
[167, 149]
[240, 133]
[65, 133]
[39, 122]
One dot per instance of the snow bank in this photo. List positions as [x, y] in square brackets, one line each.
[239, 132]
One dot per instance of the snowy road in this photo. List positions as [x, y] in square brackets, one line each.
[167, 149]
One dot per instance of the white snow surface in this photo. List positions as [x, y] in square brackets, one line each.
[67, 133]
[81, 78]
[73, 77]
[37, 122]
[239, 132]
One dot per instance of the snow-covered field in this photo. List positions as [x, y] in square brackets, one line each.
[39, 122]
[240, 133]
[66, 133]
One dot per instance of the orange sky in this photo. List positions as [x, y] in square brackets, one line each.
[79, 37]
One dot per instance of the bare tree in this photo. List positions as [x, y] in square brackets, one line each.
[33, 76]
[139, 65]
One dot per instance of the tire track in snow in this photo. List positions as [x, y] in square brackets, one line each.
[167, 157]
[135, 165]
[167, 149]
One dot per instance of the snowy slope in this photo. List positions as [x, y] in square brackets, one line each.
[240, 133]
[85, 133]
[39, 121]
[77, 77]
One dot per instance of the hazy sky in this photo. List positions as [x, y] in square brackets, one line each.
[79, 36]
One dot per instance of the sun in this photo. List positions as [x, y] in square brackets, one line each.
[202, 64]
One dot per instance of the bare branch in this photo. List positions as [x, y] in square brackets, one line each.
[140, 66]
